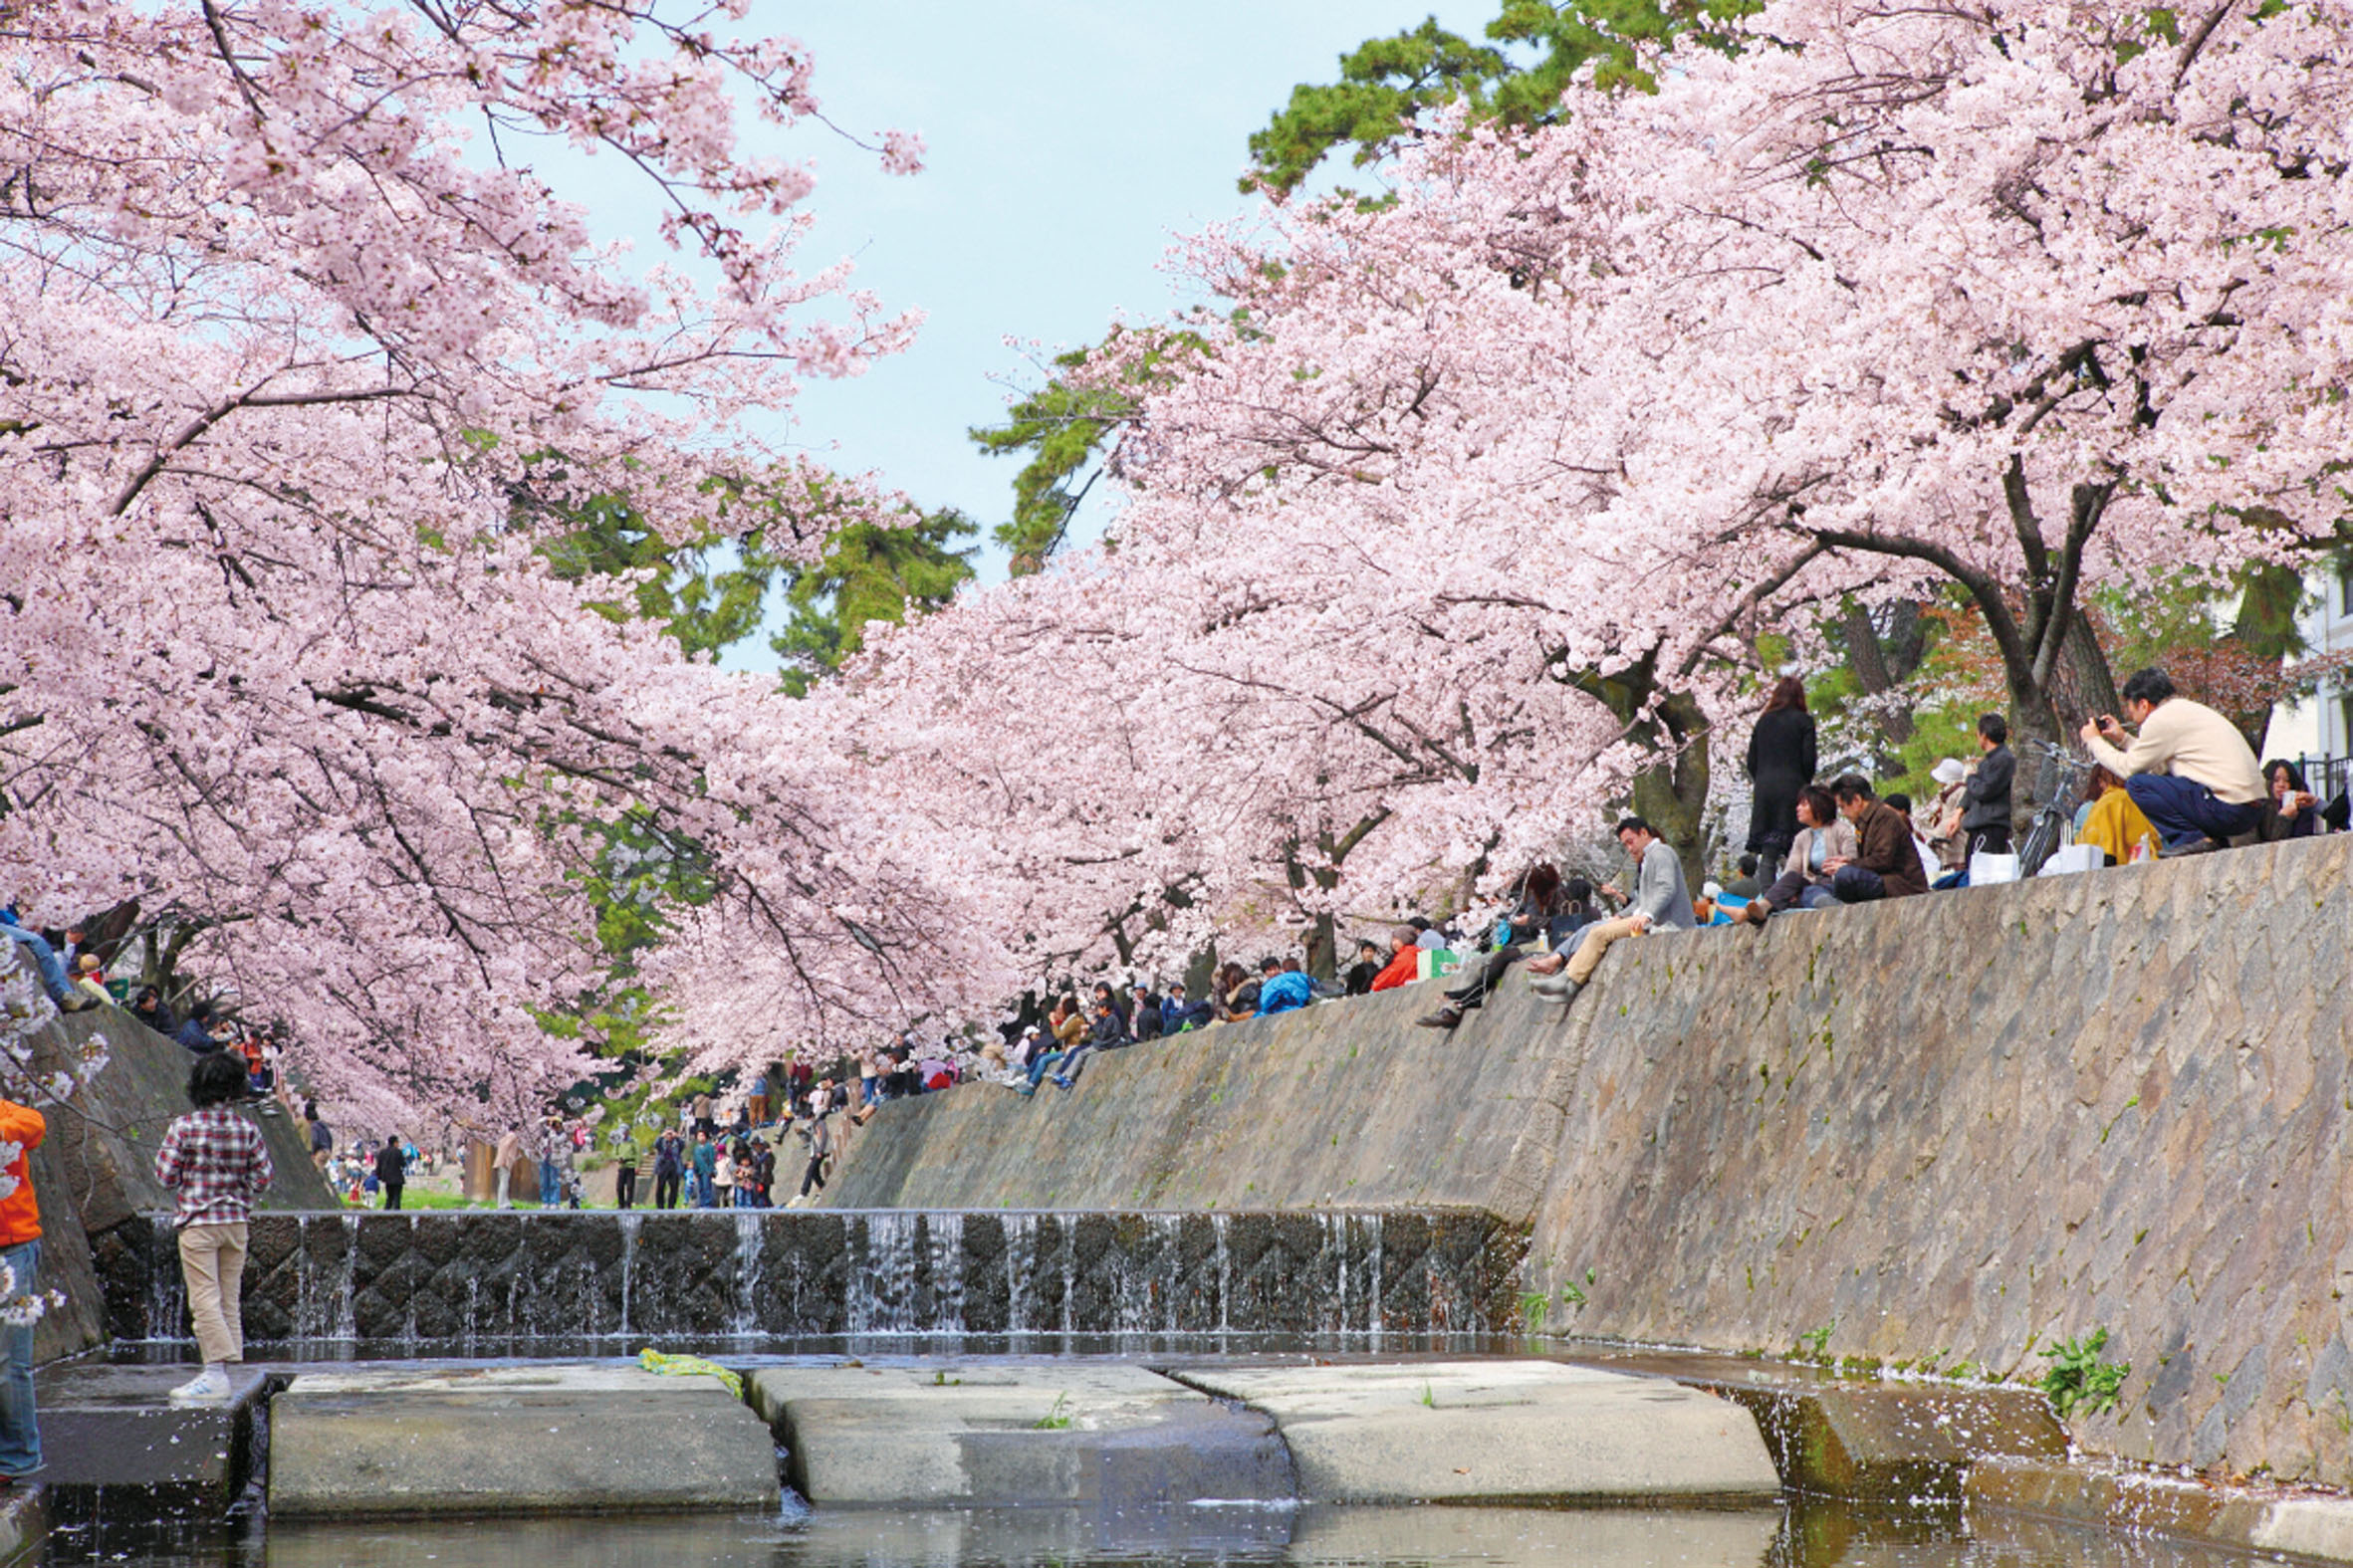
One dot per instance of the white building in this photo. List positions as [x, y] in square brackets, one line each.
[2322, 724]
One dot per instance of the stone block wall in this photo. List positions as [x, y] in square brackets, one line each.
[1961, 1126]
[1945, 1128]
[1340, 1106]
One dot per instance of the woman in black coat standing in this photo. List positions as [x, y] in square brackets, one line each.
[391, 1171]
[1781, 763]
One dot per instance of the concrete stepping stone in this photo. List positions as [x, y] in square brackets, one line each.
[1015, 1434]
[536, 1439]
[1499, 1430]
[110, 1435]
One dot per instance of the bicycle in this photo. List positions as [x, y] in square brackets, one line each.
[2062, 778]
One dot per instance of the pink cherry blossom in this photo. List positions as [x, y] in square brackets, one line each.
[2019, 298]
[298, 360]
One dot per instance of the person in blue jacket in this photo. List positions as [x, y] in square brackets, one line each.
[1282, 987]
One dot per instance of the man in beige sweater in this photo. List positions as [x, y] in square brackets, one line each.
[2190, 770]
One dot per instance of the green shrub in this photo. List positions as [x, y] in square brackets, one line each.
[2079, 1379]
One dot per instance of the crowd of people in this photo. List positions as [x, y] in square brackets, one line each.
[2183, 781]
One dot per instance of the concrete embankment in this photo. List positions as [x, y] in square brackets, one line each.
[1941, 1130]
[1111, 1437]
[112, 1441]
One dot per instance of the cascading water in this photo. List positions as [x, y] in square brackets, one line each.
[491, 1283]
[881, 1296]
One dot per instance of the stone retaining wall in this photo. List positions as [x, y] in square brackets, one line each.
[1949, 1127]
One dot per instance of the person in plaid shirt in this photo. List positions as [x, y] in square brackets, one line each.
[219, 1163]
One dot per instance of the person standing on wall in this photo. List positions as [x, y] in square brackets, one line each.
[625, 1180]
[219, 1163]
[391, 1171]
[321, 1138]
[502, 1162]
[1781, 763]
[820, 1149]
[705, 1164]
[669, 1168]
[551, 1177]
[21, 1128]
[1985, 793]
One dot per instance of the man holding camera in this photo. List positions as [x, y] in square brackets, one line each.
[2190, 770]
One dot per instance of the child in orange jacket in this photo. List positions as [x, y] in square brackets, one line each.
[21, 1130]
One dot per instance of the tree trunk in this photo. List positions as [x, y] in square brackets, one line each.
[1322, 942]
[1670, 793]
[2082, 686]
[2079, 688]
[1322, 933]
[1882, 663]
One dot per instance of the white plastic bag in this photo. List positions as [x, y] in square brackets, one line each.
[2072, 857]
[1986, 870]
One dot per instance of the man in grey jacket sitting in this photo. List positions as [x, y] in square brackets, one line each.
[1661, 902]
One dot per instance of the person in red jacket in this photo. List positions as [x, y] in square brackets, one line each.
[21, 1130]
[1405, 960]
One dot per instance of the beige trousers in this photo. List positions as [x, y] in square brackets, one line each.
[212, 1262]
[1598, 936]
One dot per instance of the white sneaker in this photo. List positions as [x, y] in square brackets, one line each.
[207, 1387]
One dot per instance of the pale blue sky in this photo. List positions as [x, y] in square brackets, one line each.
[1068, 143]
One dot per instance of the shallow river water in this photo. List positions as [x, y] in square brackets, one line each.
[1793, 1534]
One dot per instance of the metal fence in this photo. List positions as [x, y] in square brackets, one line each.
[2327, 776]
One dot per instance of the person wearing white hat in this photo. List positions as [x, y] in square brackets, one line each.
[1940, 819]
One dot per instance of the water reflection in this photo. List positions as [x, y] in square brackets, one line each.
[1798, 1534]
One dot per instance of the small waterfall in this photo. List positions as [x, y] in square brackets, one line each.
[1020, 1258]
[883, 1282]
[943, 1247]
[1339, 1293]
[487, 1284]
[167, 1293]
[630, 1219]
[1146, 1299]
[343, 1296]
[1224, 1272]
[749, 1234]
[409, 1331]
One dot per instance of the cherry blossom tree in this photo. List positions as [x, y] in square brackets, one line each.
[1467, 501]
[2018, 299]
[301, 362]
[1241, 738]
